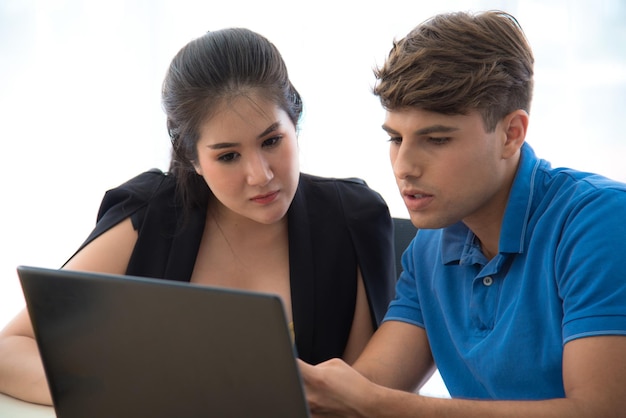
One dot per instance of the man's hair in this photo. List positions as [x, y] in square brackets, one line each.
[458, 62]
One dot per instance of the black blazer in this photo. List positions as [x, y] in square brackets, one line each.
[334, 225]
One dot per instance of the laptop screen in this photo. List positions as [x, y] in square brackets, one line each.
[121, 346]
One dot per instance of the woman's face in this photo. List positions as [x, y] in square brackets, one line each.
[248, 156]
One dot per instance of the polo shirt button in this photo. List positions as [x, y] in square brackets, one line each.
[487, 281]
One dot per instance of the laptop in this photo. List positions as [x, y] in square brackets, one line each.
[123, 346]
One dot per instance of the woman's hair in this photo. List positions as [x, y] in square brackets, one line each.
[458, 62]
[205, 73]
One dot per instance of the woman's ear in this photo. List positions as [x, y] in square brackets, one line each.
[515, 125]
[197, 167]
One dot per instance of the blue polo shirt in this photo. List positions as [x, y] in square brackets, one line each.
[497, 327]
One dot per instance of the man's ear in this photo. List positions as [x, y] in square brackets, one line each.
[514, 125]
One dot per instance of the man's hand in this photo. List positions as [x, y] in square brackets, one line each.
[334, 389]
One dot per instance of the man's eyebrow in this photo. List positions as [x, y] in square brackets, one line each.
[223, 145]
[389, 130]
[436, 129]
[425, 131]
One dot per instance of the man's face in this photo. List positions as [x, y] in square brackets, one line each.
[448, 169]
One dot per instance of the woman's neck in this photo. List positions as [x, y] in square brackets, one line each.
[239, 229]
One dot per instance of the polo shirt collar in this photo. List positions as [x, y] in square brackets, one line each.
[518, 208]
[458, 242]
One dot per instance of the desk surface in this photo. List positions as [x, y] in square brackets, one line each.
[14, 408]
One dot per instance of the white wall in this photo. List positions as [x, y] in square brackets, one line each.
[80, 83]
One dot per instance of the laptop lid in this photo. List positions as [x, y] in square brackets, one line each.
[122, 346]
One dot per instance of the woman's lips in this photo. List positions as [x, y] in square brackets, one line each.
[264, 199]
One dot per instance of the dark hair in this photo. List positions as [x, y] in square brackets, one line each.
[457, 62]
[208, 70]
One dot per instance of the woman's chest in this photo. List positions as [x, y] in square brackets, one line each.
[259, 268]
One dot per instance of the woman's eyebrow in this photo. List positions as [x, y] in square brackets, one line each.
[222, 145]
[269, 129]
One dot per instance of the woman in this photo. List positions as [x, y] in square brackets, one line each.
[235, 211]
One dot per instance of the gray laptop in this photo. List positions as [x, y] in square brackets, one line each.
[121, 346]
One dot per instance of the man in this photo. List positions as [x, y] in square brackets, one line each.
[514, 286]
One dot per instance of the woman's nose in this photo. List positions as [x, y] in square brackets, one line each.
[259, 171]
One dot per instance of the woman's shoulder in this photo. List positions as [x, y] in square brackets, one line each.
[147, 183]
[130, 198]
[350, 190]
[139, 191]
[313, 179]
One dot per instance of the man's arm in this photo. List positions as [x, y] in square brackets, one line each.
[397, 356]
[594, 373]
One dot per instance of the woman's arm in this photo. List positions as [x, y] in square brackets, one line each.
[362, 327]
[21, 371]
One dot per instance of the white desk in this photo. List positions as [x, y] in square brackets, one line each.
[14, 408]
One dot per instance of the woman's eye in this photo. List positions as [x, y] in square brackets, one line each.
[227, 158]
[273, 141]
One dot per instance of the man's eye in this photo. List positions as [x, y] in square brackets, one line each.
[395, 140]
[439, 140]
